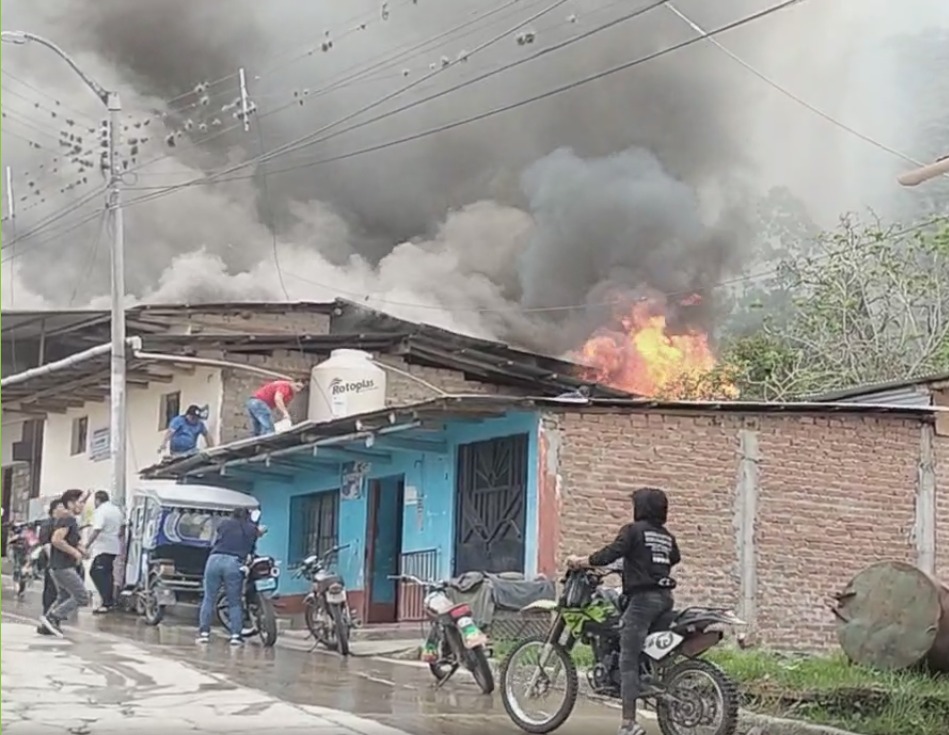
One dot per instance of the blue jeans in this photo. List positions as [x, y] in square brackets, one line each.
[260, 417]
[226, 570]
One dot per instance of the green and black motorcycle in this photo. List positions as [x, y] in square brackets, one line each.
[688, 693]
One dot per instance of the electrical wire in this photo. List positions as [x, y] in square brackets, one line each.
[51, 219]
[87, 271]
[348, 77]
[217, 177]
[48, 96]
[790, 95]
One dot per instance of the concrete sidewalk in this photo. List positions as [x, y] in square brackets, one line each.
[108, 685]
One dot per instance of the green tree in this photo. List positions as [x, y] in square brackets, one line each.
[868, 303]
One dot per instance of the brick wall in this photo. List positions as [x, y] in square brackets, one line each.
[401, 390]
[941, 451]
[835, 494]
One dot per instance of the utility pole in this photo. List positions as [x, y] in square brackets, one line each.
[117, 435]
[11, 211]
[245, 116]
[117, 385]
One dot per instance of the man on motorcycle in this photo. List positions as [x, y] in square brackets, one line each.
[648, 552]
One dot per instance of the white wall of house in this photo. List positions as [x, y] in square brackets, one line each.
[11, 431]
[66, 466]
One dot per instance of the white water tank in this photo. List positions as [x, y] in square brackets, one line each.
[346, 384]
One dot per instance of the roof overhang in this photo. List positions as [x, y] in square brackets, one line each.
[374, 437]
[79, 379]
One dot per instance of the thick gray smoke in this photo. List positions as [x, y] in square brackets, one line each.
[637, 182]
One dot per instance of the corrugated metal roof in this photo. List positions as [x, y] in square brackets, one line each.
[358, 428]
[908, 395]
[864, 392]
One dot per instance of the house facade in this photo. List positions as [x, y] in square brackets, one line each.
[776, 506]
[64, 409]
[478, 462]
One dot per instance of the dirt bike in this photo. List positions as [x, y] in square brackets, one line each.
[454, 640]
[670, 666]
[260, 618]
[326, 607]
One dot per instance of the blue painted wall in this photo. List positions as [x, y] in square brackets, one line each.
[426, 524]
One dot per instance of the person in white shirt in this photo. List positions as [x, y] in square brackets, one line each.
[105, 544]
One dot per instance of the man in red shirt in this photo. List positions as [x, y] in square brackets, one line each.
[273, 396]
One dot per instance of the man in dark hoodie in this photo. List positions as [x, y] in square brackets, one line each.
[648, 552]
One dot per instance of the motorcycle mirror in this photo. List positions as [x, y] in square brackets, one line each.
[255, 515]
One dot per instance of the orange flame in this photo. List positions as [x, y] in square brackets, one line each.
[646, 360]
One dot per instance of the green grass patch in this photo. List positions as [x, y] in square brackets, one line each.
[827, 690]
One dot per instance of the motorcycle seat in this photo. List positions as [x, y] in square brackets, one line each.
[665, 621]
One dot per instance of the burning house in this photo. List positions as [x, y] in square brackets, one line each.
[472, 455]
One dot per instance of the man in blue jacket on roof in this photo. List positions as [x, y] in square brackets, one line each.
[181, 438]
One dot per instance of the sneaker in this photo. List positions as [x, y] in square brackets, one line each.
[236, 640]
[631, 728]
[203, 638]
[102, 610]
[41, 630]
[51, 624]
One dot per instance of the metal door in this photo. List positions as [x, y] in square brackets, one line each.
[491, 505]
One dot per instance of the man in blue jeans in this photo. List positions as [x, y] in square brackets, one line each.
[272, 398]
[233, 543]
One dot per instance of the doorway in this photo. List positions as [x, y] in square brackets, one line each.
[491, 497]
[383, 548]
[7, 502]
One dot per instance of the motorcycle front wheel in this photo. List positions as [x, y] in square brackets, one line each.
[341, 626]
[481, 669]
[534, 669]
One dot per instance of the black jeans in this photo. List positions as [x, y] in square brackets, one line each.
[641, 612]
[102, 574]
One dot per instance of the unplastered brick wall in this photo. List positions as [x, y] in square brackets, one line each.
[401, 389]
[941, 451]
[239, 385]
[832, 494]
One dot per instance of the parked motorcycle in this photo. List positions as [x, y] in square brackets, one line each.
[260, 582]
[455, 639]
[326, 607]
[672, 674]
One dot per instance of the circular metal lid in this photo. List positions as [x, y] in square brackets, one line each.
[888, 616]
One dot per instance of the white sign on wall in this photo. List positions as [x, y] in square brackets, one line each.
[99, 445]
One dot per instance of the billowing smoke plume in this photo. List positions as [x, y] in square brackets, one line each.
[637, 181]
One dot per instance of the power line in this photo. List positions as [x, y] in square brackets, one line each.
[348, 77]
[53, 236]
[52, 218]
[92, 257]
[790, 95]
[211, 178]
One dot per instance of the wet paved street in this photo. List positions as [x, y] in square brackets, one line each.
[134, 664]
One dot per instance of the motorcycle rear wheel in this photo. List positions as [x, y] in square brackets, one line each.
[264, 619]
[727, 698]
[571, 686]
